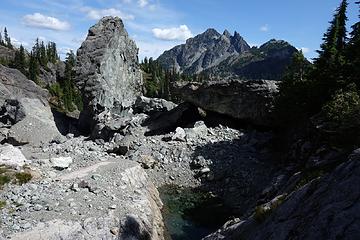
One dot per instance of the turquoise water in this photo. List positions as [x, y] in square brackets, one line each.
[191, 214]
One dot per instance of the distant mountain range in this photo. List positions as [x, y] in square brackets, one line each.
[227, 56]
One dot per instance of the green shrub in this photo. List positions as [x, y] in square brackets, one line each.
[344, 108]
[342, 116]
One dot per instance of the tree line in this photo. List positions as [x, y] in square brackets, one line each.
[328, 91]
[158, 81]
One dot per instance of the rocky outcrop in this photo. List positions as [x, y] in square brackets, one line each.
[203, 51]
[328, 207]
[52, 73]
[251, 101]
[14, 84]
[108, 72]
[6, 54]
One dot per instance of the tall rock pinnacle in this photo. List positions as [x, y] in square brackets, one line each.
[108, 71]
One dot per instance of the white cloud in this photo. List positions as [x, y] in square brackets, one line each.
[96, 14]
[143, 3]
[149, 48]
[305, 50]
[180, 33]
[17, 43]
[39, 20]
[265, 28]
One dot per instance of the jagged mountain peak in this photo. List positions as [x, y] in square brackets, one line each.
[227, 33]
[210, 31]
[203, 51]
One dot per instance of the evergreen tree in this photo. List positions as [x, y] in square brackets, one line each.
[353, 54]
[43, 57]
[34, 69]
[1, 40]
[20, 60]
[7, 39]
[71, 96]
[51, 52]
[328, 72]
[298, 68]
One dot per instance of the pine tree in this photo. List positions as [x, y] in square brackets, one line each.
[353, 54]
[43, 57]
[335, 38]
[51, 52]
[7, 39]
[328, 73]
[69, 88]
[298, 68]
[20, 60]
[1, 40]
[33, 67]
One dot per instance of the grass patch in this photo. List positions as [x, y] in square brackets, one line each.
[23, 177]
[263, 211]
[4, 180]
[2, 204]
[8, 175]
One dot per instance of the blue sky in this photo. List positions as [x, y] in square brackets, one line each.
[158, 25]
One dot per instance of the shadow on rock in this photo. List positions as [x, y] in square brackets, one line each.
[133, 229]
[181, 116]
[237, 171]
[65, 124]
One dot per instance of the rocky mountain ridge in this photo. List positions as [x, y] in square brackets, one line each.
[220, 56]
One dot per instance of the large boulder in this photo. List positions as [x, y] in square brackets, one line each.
[14, 84]
[11, 156]
[33, 122]
[152, 105]
[108, 72]
[250, 101]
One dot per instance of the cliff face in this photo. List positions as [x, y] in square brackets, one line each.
[250, 101]
[107, 70]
